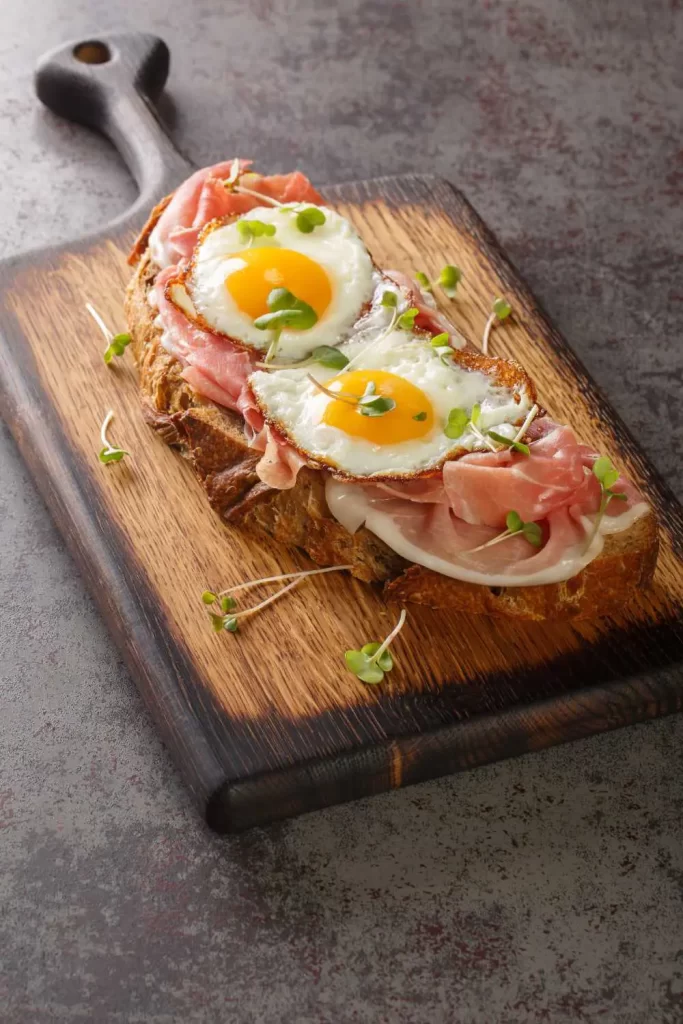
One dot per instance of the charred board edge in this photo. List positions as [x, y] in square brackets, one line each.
[162, 674]
[409, 760]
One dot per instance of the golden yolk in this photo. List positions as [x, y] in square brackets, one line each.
[397, 425]
[268, 267]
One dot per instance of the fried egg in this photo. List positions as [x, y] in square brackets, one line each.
[408, 440]
[227, 284]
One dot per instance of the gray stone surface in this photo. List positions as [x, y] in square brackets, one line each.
[545, 889]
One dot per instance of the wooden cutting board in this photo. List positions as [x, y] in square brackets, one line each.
[269, 723]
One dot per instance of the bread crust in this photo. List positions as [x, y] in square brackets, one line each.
[212, 439]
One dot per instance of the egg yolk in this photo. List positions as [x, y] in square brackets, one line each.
[399, 424]
[268, 267]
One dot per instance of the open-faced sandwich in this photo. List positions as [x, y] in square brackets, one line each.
[326, 402]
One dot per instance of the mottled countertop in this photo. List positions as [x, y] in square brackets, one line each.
[542, 889]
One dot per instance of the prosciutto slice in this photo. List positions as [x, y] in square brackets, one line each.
[214, 366]
[280, 464]
[443, 522]
[204, 197]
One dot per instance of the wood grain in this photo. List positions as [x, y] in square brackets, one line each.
[270, 723]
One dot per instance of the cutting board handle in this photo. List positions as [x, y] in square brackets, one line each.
[111, 82]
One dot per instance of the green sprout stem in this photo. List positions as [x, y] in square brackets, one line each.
[103, 429]
[495, 540]
[295, 577]
[487, 331]
[392, 636]
[501, 310]
[368, 404]
[234, 172]
[533, 412]
[607, 476]
[99, 321]
[371, 663]
[231, 183]
[116, 344]
[326, 355]
[246, 612]
[515, 526]
[284, 366]
[283, 576]
[605, 498]
[382, 335]
[107, 447]
[395, 317]
[531, 416]
[342, 396]
[273, 347]
[256, 195]
[482, 437]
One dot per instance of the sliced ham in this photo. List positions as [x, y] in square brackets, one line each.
[214, 366]
[484, 486]
[439, 522]
[280, 464]
[204, 197]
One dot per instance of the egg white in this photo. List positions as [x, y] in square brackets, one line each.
[334, 245]
[291, 402]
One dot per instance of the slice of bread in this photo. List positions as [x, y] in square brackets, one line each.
[212, 439]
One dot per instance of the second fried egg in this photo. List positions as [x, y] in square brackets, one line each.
[408, 440]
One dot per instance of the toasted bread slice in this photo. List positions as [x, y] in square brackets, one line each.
[212, 439]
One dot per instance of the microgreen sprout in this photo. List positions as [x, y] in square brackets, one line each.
[234, 173]
[508, 442]
[230, 616]
[373, 660]
[327, 356]
[515, 526]
[530, 417]
[406, 321]
[501, 310]
[449, 279]
[308, 219]
[367, 404]
[231, 184]
[459, 421]
[607, 476]
[442, 344]
[515, 443]
[423, 281]
[116, 343]
[420, 416]
[285, 311]
[248, 230]
[109, 452]
[117, 346]
[389, 300]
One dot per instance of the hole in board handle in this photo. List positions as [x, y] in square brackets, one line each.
[92, 52]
